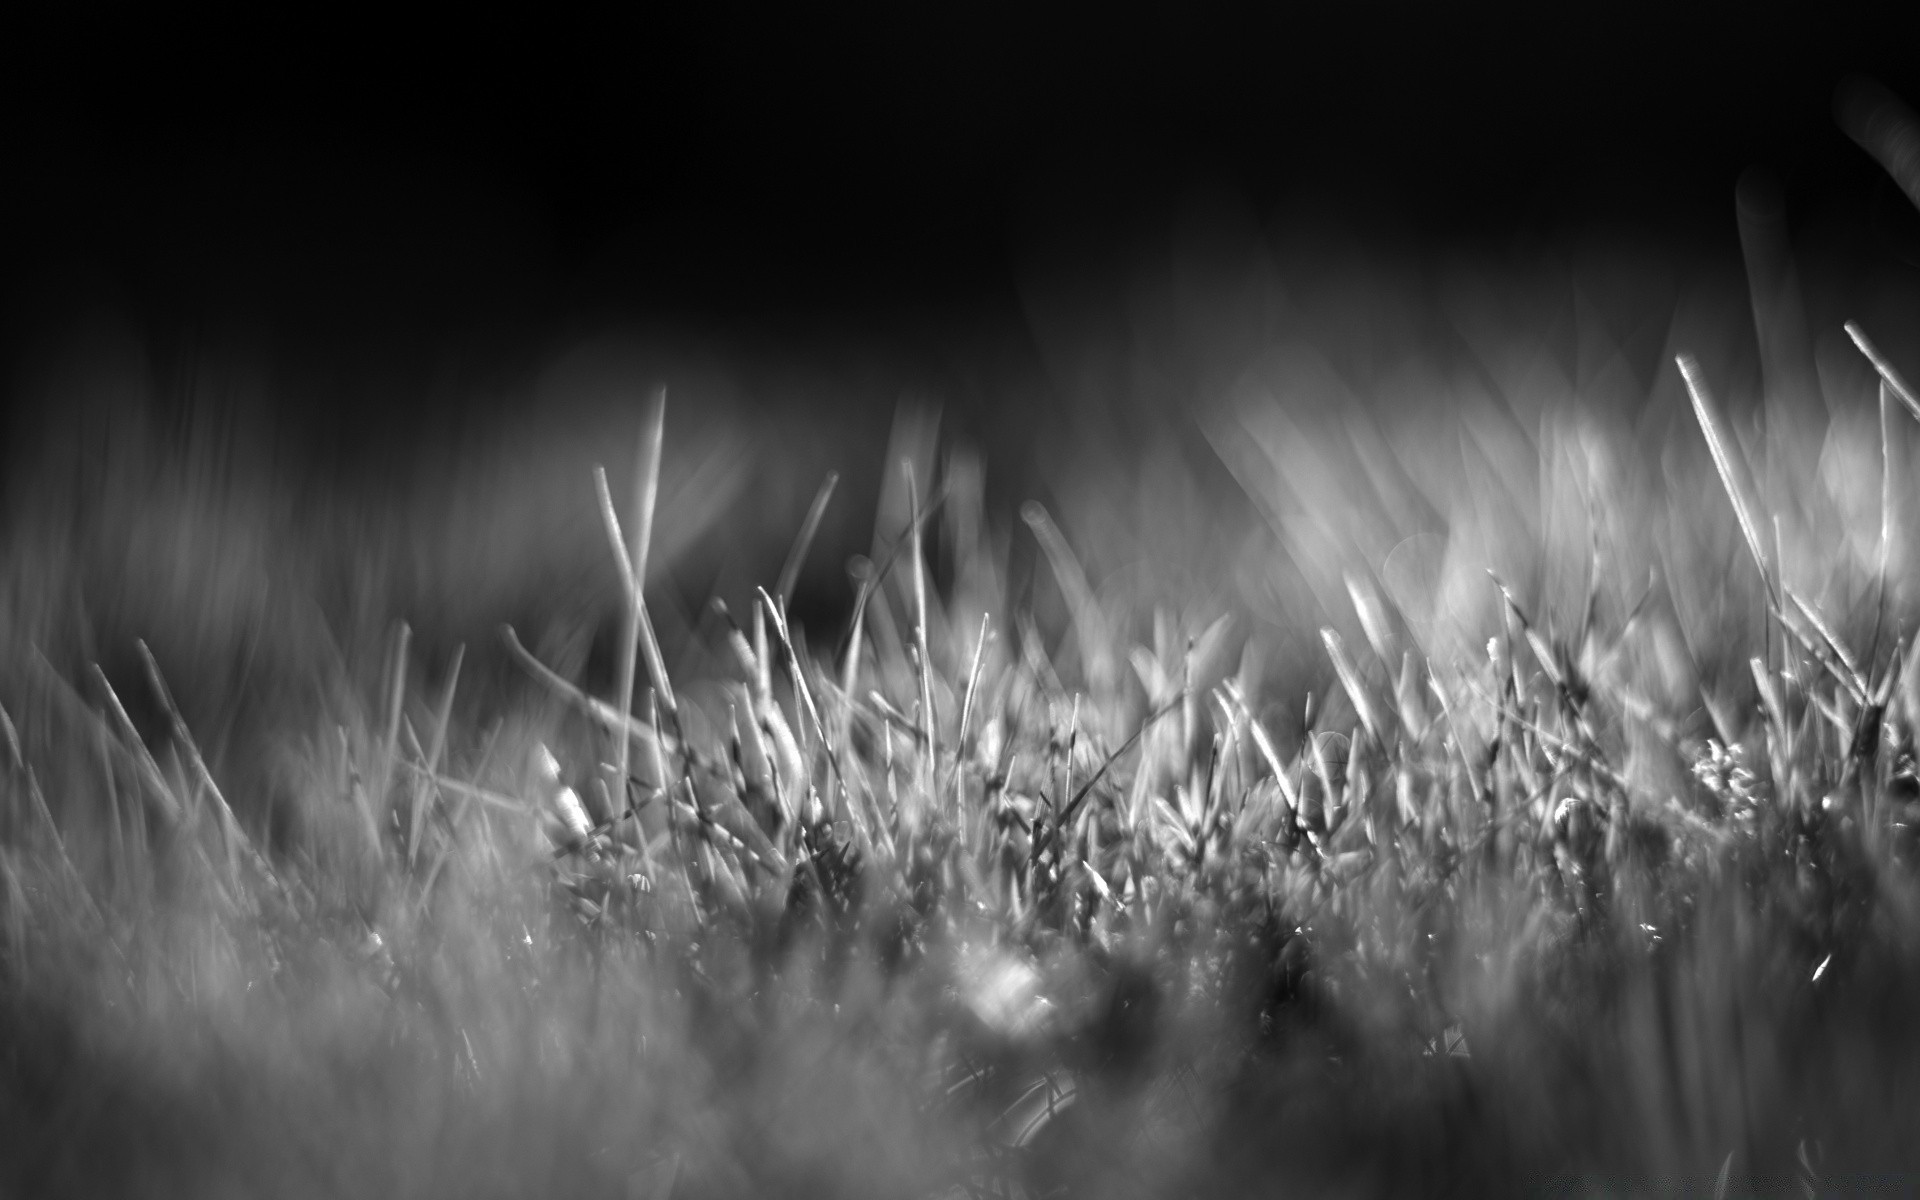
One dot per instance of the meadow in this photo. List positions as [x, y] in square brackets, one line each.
[1406, 770]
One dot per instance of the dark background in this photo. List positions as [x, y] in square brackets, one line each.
[411, 211]
[395, 243]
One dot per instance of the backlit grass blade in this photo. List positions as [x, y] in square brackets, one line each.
[922, 651]
[630, 559]
[797, 556]
[1727, 459]
[1350, 680]
[1886, 369]
[1083, 607]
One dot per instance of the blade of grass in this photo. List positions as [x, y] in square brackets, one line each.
[396, 705]
[443, 719]
[860, 570]
[610, 521]
[1089, 623]
[357, 792]
[646, 486]
[1482, 793]
[762, 658]
[629, 628]
[973, 686]
[41, 809]
[599, 710]
[930, 761]
[1153, 718]
[966, 720]
[630, 559]
[117, 846]
[1888, 503]
[1373, 617]
[128, 741]
[1770, 704]
[471, 791]
[431, 756]
[233, 838]
[1350, 680]
[657, 664]
[1264, 742]
[794, 668]
[667, 784]
[869, 574]
[1728, 461]
[1838, 659]
[797, 556]
[420, 798]
[1886, 370]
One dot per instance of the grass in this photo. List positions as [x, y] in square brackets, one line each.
[1507, 795]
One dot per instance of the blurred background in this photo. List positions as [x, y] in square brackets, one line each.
[344, 306]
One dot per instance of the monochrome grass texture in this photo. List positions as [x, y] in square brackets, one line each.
[1519, 803]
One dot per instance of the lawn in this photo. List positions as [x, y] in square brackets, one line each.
[1383, 778]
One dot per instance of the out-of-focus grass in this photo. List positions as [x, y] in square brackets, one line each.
[1406, 778]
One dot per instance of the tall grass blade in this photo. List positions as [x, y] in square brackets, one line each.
[795, 668]
[630, 555]
[923, 656]
[396, 699]
[1089, 624]
[1833, 651]
[797, 555]
[1354, 686]
[1886, 370]
[646, 486]
[149, 770]
[430, 758]
[860, 570]
[233, 838]
[600, 711]
[1727, 459]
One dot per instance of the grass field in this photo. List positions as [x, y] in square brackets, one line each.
[1384, 780]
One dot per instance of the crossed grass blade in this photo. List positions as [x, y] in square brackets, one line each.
[1735, 477]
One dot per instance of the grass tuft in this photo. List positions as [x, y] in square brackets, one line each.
[1425, 813]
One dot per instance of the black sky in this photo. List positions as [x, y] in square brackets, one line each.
[378, 185]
